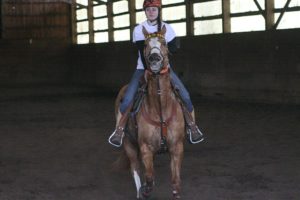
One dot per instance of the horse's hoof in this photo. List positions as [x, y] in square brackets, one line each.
[145, 192]
[176, 196]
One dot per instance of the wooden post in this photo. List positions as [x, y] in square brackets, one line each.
[73, 22]
[189, 17]
[1, 19]
[132, 16]
[269, 4]
[91, 20]
[110, 21]
[226, 16]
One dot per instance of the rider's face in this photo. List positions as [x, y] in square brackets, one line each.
[151, 13]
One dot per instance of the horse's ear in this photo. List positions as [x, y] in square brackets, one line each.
[145, 32]
[163, 30]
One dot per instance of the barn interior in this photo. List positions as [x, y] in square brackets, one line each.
[62, 63]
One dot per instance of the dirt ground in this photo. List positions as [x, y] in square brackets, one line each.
[53, 146]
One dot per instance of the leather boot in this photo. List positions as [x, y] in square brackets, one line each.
[116, 138]
[194, 134]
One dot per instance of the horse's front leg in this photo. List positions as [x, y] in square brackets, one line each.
[176, 153]
[147, 158]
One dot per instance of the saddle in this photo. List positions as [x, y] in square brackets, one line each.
[131, 127]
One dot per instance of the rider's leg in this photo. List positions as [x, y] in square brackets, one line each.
[117, 136]
[193, 131]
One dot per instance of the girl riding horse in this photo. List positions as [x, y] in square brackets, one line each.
[153, 24]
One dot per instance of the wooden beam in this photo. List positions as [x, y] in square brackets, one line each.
[226, 16]
[175, 21]
[281, 14]
[91, 20]
[296, 8]
[131, 6]
[80, 6]
[110, 21]
[1, 14]
[189, 5]
[269, 5]
[260, 9]
[99, 2]
[245, 14]
[73, 22]
[175, 4]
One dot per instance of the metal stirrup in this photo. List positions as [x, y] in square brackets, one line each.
[113, 134]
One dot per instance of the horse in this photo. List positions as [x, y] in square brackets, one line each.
[160, 121]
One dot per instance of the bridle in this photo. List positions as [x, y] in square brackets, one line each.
[147, 55]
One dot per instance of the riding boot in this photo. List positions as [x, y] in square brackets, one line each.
[116, 138]
[194, 134]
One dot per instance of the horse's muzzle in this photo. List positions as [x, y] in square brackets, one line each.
[154, 57]
[155, 61]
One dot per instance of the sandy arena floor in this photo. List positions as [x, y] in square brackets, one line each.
[53, 147]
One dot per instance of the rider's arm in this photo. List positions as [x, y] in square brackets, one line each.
[172, 46]
[140, 45]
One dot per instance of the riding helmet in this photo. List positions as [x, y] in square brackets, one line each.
[151, 3]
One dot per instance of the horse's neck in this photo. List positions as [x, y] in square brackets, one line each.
[165, 97]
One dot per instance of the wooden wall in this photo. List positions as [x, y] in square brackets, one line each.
[0, 19]
[261, 66]
[32, 19]
[36, 37]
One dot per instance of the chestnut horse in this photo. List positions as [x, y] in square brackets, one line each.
[160, 119]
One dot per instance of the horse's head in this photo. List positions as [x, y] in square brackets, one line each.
[156, 50]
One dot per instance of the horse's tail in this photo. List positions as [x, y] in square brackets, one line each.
[122, 162]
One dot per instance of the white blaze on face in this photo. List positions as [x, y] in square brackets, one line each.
[154, 45]
[155, 57]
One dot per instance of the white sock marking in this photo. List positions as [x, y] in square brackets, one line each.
[137, 181]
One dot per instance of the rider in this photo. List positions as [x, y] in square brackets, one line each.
[153, 24]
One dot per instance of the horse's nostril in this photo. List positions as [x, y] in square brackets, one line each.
[154, 57]
[158, 58]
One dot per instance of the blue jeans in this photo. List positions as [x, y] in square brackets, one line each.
[184, 94]
[131, 90]
[134, 84]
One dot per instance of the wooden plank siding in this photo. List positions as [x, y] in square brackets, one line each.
[0, 19]
[36, 20]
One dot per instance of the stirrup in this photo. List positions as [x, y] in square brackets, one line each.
[113, 134]
[189, 132]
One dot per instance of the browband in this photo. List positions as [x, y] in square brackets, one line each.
[151, 35]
